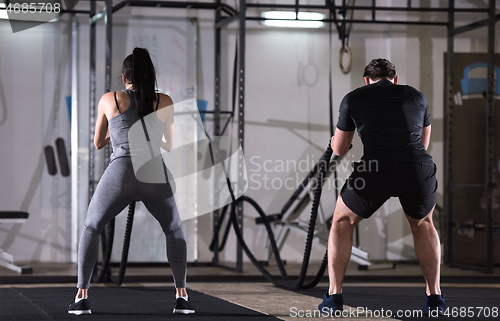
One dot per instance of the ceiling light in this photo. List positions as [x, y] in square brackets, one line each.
[288, 19]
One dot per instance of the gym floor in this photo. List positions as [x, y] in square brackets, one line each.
[377, 290]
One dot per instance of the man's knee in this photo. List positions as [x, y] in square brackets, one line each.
[344, 215]
[417, 224]
[346, 219]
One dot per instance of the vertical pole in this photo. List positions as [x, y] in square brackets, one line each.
[490, 114]
[448, 134]
[74, 139]
[108, 22]
[216, 228]
[92, 101]
[241, 123]
[374, 4]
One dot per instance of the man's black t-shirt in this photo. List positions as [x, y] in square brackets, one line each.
[389, 119]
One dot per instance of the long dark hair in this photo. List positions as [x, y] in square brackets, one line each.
[140, 72]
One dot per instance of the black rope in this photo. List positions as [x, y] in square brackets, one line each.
[107, 237]
[107, 247]
[222, 244]
[322, 166]
[126, 244]
[343, 30]
[298, 284]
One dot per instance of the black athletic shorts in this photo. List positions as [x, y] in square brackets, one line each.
[373, 182]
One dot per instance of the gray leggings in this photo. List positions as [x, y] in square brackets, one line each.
[116, 189]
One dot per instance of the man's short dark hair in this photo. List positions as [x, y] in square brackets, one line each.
[380, 68]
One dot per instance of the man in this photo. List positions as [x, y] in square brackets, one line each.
[393, 123]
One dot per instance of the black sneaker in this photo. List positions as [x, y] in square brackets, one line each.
[434, 305]
[331, 303]
[82, 307]
[183, 306]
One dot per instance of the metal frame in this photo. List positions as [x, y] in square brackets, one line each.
[489, 183]
[6, 259]
[232, 14]
[74, 137]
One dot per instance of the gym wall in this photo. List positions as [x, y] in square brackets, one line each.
[286, 122]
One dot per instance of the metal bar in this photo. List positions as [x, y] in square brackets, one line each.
[169, 4]
[108, 23]
[201, 112]
[226, 124]
[374, 5]
[213, 112]
[74, 11]
[241, 122]
[474, 25]
[74, 139]
[490, 162]
[92, 103]
[224, 22]
[177, 4]
[427, 23]
[217, 112]
[365, 8]
[94, 17]
[447, 134]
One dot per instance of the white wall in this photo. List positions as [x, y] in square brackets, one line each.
[33, 63]
[286, 119]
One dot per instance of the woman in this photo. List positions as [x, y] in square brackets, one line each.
[117, 112]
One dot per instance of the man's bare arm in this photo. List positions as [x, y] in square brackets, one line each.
[341, 142]
[426, 136]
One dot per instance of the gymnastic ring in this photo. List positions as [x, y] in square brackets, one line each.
[345, 49]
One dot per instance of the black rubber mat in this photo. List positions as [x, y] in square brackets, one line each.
[116, 303]
[463, 303]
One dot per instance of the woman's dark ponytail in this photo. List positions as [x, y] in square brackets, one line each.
[140, 72]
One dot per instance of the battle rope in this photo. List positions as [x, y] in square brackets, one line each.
[107, 246]
[285, 282]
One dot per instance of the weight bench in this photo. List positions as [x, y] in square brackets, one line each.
[7, 259]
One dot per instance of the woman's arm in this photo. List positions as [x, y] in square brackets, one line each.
[167, 141]
[101, 137]
[166, 115]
